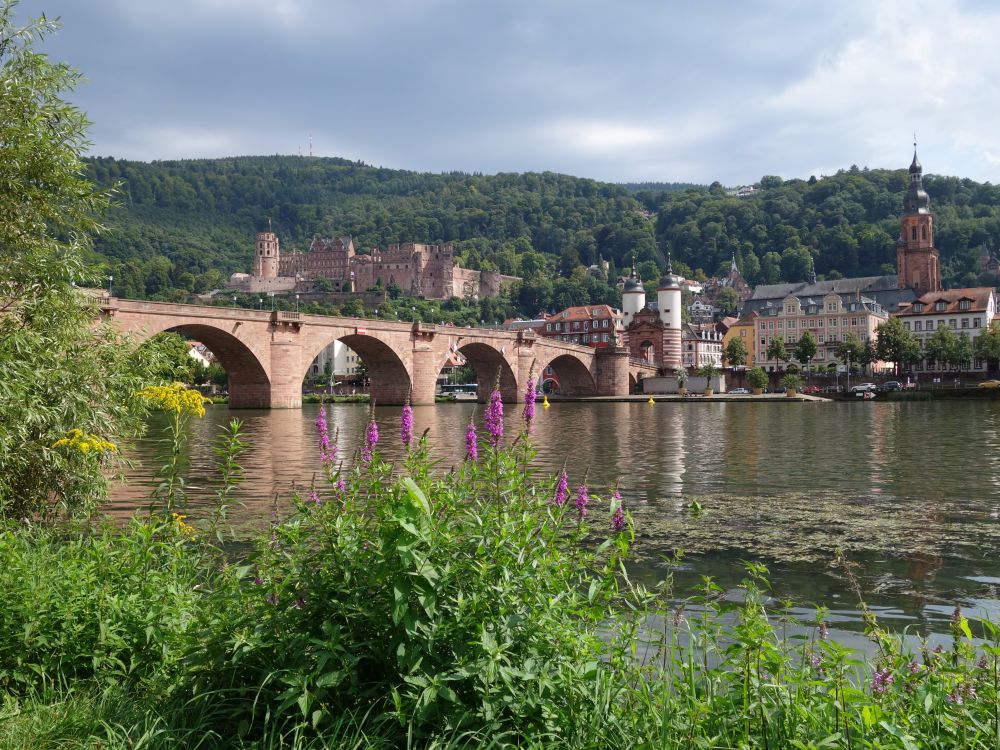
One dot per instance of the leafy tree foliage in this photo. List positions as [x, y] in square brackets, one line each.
[987, 346]
[735, 353]
[806, 349]
[66, 395]
[895, 344]
[850, 349]
[776, 350]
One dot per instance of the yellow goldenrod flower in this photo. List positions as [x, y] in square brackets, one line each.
[85, 443]
[176, 398]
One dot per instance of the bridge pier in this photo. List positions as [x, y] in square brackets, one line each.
[612, 371]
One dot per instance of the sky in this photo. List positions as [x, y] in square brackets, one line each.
[614, 90]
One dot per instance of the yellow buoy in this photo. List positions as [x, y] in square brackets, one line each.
[545, 402]
[651, 401]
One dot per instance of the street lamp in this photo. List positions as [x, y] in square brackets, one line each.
[260, 303]
[271, 295]
[110, 279]
[234, 301]
[296, 303]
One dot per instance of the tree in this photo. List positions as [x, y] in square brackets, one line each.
[776, 350]
[806, 349]
[68, 389]
[895, 344]
[727, 301]
[850, 349]
[735, 353]
[940, 346]
[961, 353]
[987, 346]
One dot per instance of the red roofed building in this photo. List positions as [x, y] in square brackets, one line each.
[964, 311]
[589, 325]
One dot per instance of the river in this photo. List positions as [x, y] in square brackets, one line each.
[908, 491]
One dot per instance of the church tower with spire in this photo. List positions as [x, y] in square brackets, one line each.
[918, 263]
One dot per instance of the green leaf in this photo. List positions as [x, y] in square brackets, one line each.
[416, 495]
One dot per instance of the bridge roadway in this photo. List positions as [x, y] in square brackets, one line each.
[267, 354]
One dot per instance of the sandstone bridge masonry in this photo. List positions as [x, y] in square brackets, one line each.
[268, 353]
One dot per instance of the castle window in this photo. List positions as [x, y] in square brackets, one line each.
[913, 233]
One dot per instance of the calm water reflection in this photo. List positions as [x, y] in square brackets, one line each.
[910, 491]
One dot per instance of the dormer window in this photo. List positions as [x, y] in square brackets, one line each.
[918, 307]
[964, 304]
[940, 305]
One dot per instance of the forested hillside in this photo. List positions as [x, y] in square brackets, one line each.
[184, 226]
[846, 224]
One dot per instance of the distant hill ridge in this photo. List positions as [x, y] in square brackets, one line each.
[187, 224]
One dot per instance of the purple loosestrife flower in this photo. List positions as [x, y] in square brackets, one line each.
[471, 446]
[406, 424]
[529, 402]
[881, 681]
[618, 518]
[341, 485]
[494, 416]
[327, 450]
[313, 497]
[582, 500]
[824, 631]
[371, 440]
[258, 581]
[562, 490]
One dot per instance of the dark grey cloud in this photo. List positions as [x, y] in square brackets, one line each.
[617, 91]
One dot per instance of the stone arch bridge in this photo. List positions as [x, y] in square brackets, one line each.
[268, 353]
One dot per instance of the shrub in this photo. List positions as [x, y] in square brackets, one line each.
[757, 378]
[791, 382]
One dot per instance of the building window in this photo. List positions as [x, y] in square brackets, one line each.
[854, 321]
[975, 322]
[906, 325]
[833, 322]
[743, 332]
[831, 307]
[913, 233]
[548, 326]
[790, 309]
[917, 325]
[965, 322]
[833, 338]
[953, 323]
[844, 322]
[940, 306]
[963, 305]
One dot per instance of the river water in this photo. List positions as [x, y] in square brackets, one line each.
[909, 492]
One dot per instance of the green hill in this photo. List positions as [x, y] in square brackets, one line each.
[184, 226]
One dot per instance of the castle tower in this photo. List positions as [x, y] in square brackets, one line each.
[668, 302]
[917, 260]
[267, 256]
[633, 296]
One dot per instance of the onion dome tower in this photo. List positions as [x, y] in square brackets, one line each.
[668, 302]
[917, 260]
[633, 296]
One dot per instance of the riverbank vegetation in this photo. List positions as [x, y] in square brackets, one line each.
[401, 606]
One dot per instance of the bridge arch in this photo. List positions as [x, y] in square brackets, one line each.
[575, 377]
[249, 383]
[388, 375]
[486, 359]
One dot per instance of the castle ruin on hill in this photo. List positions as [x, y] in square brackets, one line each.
[419, 270]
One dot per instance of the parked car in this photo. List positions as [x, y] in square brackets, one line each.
[862, 387]
[738, 392]
[891, 385]
[810, 389]
[990, 384]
